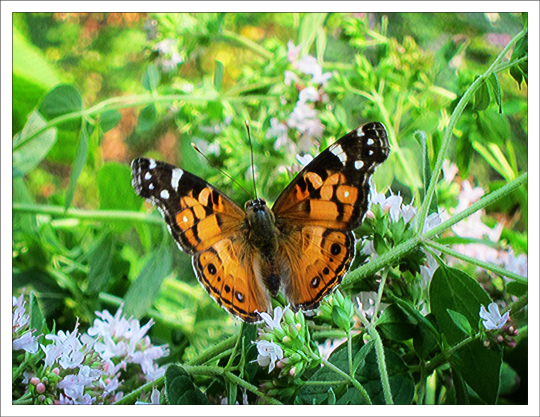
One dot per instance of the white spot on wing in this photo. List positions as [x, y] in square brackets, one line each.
[370, 141]
[346, 194]
[359, 132]
[338, 151]
[164, 194]
[152, 164]
[147, 176]
[151, 186]
[175, 178]
[358, 164]
[185, 219]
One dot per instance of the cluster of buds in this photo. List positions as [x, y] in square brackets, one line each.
[337, 310]
[497, 331]
[284, 343]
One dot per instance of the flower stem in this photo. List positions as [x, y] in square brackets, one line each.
[477, 262]
[381, 361]
[352, 380]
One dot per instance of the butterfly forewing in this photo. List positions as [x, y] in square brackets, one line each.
[197, 214]
[332, 191]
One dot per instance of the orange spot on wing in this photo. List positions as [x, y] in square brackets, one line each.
[185, 219]
[314, 179]
[347, 194]
[200, 212]
[203, 196]
[324, 210]
[326, 192]
[208, 228]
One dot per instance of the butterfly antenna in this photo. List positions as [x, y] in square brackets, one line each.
[220, 170]
[252, 163]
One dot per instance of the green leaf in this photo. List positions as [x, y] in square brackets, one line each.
[517, 288]
[311, 23]
[218, 75]
[401, 381]
[179, 388]
[109, 119]
[420, 136]
[147, 119]
[480, 368]
[115, 190]
[396, 324]
[461, 321]
[151, 78]
[481, 97]
[320, 43]
[452, 289]
[462, 394]
[100, 260]
[496, 90]
[61, 100]
[29, 154]
[423, 341]
[80, 160]
[146, 288]
[37, 321]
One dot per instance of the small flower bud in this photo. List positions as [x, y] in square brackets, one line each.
[41, 398]
[286, 339]
[56, 371]
[292, 371]
[40, 388]
[35, 380]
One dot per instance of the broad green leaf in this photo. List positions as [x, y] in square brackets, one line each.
[423, 341]
[481, 98]
[78, 165]
[218, 75]
[462, 394]
[100, 260]
[61, 100]
[452, 289]
[115, 189]
[396, 324]
[179, 388]
[146, 287]
[460, 321]
[480, 368]
[517, 288]
[32, 77]
[401, 381]
[109, 120]
[27, 155]
[510, 380]
[151, 78]
[147, 119]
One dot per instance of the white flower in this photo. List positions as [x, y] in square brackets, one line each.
[293, 51]
[19, 319]
[304, 160]
[154, 398]
[449, 170]
[290, 77]
[66, 349]
[366, 303]
[27, 342]
[269, 353]
[274, 323]
[278, 130]
[308, 94]
[493, 319]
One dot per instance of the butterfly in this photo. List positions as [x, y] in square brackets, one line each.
[303, 246]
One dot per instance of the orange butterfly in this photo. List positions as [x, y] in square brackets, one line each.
[304, 245]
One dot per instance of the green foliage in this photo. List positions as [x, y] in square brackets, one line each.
[91, 92]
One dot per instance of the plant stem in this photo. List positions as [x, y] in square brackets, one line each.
[477, 262]
[356, 384]
[92, 215]
[381, 361]
[456, 114]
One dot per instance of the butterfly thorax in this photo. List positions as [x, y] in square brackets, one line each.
[262, 234]
[261, 225]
